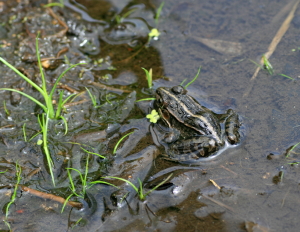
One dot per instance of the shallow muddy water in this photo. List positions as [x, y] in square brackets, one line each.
[251, 186]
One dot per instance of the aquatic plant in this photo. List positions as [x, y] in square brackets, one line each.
[48, 106]
[153, 116]
[267, 66]
[148, 77]
[140, 189]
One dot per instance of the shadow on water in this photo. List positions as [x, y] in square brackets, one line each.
[252, 185]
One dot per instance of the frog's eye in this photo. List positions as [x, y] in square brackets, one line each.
[178, 90]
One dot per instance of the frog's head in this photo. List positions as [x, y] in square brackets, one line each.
[165, 95]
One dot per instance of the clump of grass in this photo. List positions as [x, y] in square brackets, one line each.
[48, 106]
[140, 189]
[148, 77]
[267, 65]
[269, 68]
[93, 98]
[83, 180]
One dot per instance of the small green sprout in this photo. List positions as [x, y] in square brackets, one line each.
[148, 77]
[158, 12]
[195, 78]
[153, 117]
[120, 140]
[267, 65]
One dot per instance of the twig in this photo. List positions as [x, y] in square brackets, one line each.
[49, 196]
[272, 47]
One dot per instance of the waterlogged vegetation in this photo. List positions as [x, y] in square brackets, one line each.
[51, 110]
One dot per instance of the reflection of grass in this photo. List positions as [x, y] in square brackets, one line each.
[140, 190]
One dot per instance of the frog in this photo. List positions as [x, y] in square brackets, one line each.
[193, 131]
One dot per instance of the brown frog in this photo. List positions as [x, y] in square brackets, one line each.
[195, 132]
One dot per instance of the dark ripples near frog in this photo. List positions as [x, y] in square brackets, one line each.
[190, 132]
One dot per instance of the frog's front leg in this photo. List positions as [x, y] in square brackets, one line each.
[197, 147]
[232, 126]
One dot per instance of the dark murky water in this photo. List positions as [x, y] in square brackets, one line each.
[259, 188]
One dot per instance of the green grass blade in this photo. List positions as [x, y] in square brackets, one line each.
[127, 181]
[35, 136]
[141, 191]
[101, 156]
[61, 76]
[65, 122]
[120, 140]
[296, 145]
[195, 78]
[92, 97]
[24, 132]
[146, 99]
[44, 126]
[148, 77]
[22, 75]
[80, 175]
[287, 76]
[13, 196]
[84, 186]
[28, 96]
[37, 50]
[101, 182]
[160, 184]
[158, 12]
[5, 109]
[65, 203]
